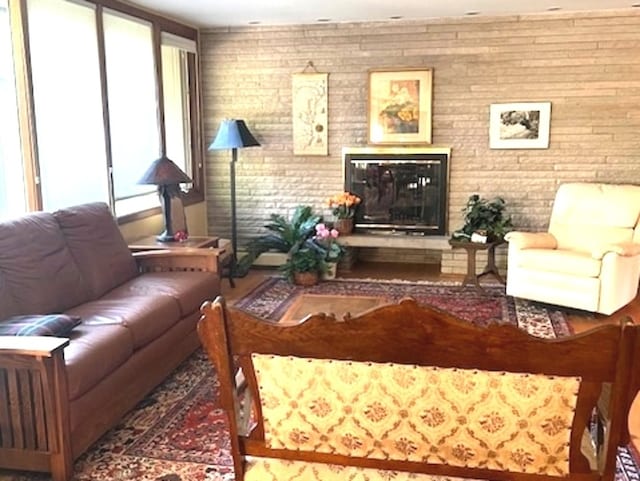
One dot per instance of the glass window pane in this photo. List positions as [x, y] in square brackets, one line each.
[12, 188]
[68, 103]
[177, 115]
[133, 106]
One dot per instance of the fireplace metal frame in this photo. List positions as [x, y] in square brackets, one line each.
[410, 155]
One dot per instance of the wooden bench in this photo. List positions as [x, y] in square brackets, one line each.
[405, 392]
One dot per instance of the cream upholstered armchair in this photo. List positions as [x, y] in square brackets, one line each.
[590, 257]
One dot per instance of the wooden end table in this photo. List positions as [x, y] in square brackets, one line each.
[193, 242]
[472, 248]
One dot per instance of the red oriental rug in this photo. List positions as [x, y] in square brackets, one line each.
[178, 432]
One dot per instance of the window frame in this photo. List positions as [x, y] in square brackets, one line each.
[28, 134]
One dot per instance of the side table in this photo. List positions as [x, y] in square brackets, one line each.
[472, 248]
[195, 242]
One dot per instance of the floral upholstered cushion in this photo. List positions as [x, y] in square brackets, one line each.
[495, 420]
[264, 469]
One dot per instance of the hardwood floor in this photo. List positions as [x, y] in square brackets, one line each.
[423, 272]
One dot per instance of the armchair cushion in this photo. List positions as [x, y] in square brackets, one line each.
[559, 260]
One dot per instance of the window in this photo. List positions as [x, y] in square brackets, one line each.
[177, 101]
[97, 119]
[133, 107]
[68, 103]
[12, 191]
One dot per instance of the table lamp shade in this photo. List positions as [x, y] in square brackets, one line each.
[167, 175]
[233, 134]
[164, 172]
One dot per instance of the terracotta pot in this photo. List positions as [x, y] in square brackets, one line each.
[344, 226]
[305, 278]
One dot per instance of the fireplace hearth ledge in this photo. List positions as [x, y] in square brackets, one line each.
[396, 240]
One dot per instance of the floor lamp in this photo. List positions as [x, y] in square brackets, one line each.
[233, 134]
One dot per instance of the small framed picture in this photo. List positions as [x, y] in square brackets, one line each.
[522, 125]
[399, 110]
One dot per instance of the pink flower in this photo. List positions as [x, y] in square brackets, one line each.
[334, 233]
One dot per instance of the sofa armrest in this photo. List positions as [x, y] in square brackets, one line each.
[196, 259]
[531, 240]
[35, 408]
[625, 249]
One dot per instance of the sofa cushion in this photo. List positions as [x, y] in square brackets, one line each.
[190, 289]
[96, 244]
[59, 325]
[36, 267]
[575, 263]
[144, 317]
[95, 351]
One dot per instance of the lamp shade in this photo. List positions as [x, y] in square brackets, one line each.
[233, 134]
[164, 172]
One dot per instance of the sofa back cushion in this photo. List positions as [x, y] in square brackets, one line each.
[97, 245]
[38, 275]
[588, 215]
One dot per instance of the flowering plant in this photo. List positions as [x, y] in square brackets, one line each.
[325, 238]
[344, 205]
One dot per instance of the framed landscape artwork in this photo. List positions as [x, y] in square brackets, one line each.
[399, 110]
[520, 125]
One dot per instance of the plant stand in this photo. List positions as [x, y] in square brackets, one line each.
[473, 247]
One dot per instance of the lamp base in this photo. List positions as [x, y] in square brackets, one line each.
[164, 237]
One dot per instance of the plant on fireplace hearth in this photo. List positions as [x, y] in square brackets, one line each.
[326, 239]
[344, 205]
[486, 217]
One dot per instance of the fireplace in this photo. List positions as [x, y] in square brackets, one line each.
[402, 189]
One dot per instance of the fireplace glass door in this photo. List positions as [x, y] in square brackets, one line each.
[399, 192]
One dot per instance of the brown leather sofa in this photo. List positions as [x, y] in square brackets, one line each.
[138, 318]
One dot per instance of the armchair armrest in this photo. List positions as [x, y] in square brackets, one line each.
[196, 259]
[625, 249]
[532, 240]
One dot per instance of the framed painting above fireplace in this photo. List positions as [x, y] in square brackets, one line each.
[399, 110]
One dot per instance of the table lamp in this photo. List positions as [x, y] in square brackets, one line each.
[166, 175]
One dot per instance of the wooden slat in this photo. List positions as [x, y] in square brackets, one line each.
[26, 408]
[40, 413]
[14, 409]
[6, 437]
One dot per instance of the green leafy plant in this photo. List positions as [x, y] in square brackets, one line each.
[284, 235]
[305, 259]
[484, 216]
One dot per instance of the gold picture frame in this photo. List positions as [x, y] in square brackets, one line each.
[399, 110]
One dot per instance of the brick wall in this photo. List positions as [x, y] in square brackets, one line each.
[586, 65]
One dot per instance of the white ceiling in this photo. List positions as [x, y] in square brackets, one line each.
[218, 13]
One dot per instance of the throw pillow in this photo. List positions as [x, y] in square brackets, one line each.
[59, 325]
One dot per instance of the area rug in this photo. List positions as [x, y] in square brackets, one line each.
[178, 432]
[273, 297]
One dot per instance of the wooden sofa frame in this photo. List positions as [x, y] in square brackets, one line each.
[34, 406]
[406, 333]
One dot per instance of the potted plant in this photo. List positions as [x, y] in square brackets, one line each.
[283, 235]
[485, 218]
[304, 266]
[343, 207]
[325, 238]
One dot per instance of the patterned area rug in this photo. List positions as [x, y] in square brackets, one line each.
[178, 432]
[480, 306]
